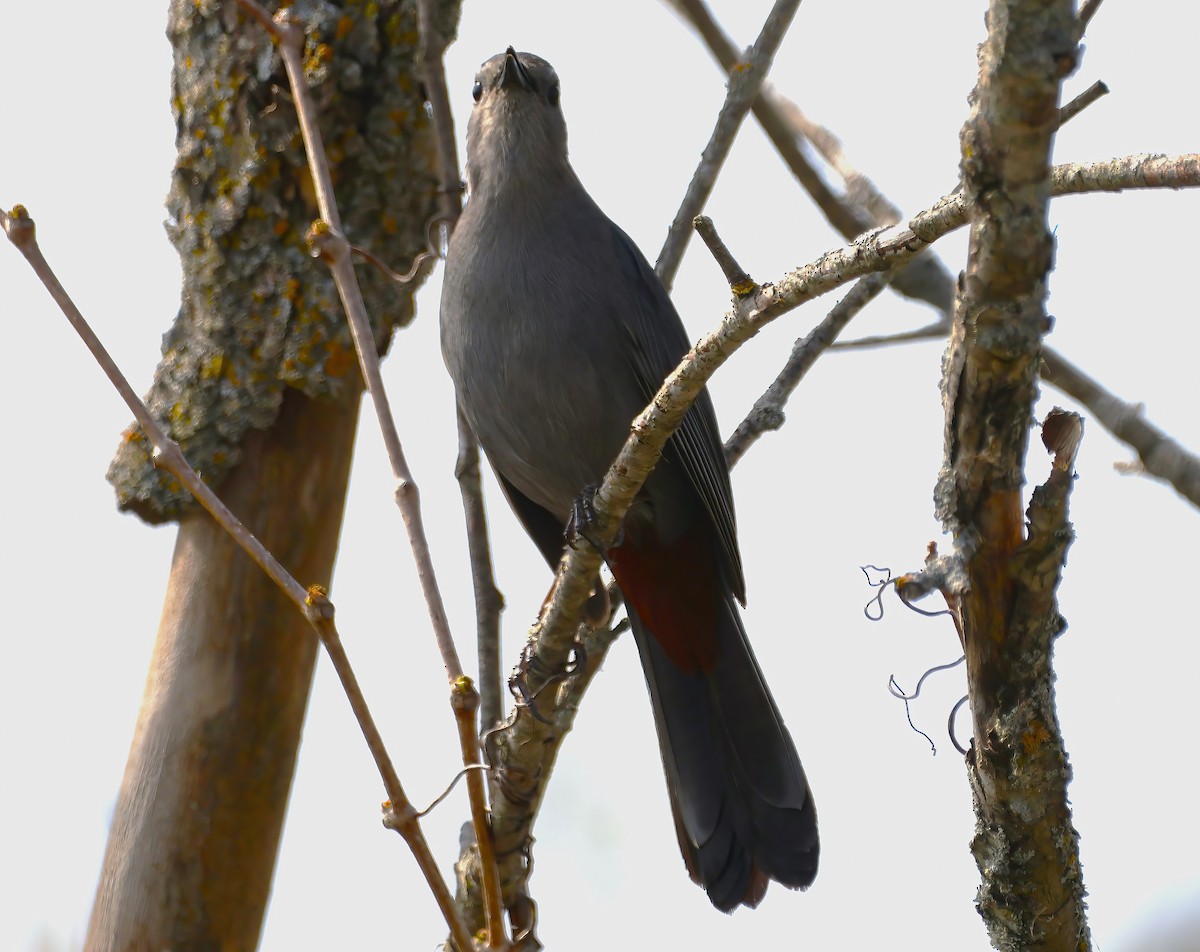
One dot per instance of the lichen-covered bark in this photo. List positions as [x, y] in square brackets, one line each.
[1025, 845]
[259, 385]
[258, 315]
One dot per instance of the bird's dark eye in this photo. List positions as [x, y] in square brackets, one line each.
[552, 94]
[477, 90]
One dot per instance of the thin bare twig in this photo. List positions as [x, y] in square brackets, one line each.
[938, 329]
[312, 602]
[745, 80]
[525, 747]
[1114, 175]
[1087, 11]
[925, 279]
[328, 242]
[433, 49]
[1081, 102]
[489, 602]
[878, 251]
[21, 231]
[1159, 455]
[767, 413]
[740, 283]
[487, 597]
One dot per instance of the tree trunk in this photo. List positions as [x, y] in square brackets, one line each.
[259, 386]
[198, 819]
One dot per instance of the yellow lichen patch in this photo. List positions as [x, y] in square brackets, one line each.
[389, 224]
[213, 367]
[321, 53]
[316, 592]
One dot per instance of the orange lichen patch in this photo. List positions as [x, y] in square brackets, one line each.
[339, 359]
[281, 227]
[389, 223]
[133, 435]
[1035, 737]
[307, 189]
[344, 25]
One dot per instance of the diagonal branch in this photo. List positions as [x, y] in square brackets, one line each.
[745, 81]
[925, 279]
[767, 412]
[328, 242]
[313, 602]
[488, 600]
[524, 750]
[1159, 455]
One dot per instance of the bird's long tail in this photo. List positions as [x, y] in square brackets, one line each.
[743, 811]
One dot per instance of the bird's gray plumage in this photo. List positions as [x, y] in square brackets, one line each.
[557, 333]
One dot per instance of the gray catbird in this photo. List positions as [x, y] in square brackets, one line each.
[557, 333]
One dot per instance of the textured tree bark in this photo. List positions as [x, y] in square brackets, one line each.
[1025, 845]
[197, 824]
[259, 386]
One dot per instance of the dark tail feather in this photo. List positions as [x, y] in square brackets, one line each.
[743, 811]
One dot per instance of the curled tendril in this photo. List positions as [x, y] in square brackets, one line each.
[897, 692]
[445, 793]
[950, 725]
[881, 585]
[518, 684]
[434, 248]
[920, 611]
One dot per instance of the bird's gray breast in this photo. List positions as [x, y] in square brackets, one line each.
[533, 336]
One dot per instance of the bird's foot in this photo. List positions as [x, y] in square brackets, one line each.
[581, 523]
[531, 676]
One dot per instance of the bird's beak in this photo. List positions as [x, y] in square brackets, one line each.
[512, 73]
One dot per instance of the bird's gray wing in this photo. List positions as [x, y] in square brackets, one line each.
[658, 342]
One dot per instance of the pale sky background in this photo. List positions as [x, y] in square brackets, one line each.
[87, 145]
